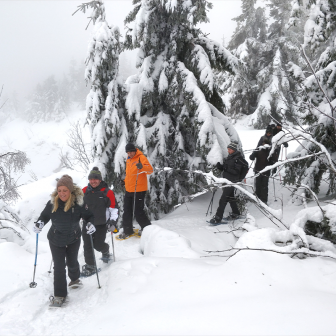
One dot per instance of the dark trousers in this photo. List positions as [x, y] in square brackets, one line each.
[139, 211]
[227, 197]
[62, 257]
[261, 185]
[98, 243]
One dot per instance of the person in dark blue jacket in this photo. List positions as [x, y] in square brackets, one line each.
[65, 209]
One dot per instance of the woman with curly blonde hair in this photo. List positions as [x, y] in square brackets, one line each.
[65, 209]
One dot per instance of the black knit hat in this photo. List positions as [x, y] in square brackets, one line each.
[130, 148]
[95, 174]
[233, 145]
[269, 129]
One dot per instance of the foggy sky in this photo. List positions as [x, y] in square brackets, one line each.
[39, 38]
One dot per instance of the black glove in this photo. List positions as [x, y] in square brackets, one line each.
[285, 144]
[139, 165]
[122, 183]
[219, 166]
[225, 167]
[112, 226]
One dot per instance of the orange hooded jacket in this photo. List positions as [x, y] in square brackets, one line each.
[132, 170]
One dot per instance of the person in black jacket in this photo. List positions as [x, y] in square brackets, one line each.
[261, 182]
[65, 209]
[267, 136]
[231, 168]
[101, 201]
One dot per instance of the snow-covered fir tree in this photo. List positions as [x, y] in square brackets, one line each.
[102, 103]
[247, 44]
[279, 94]
[317, 107]
[174, 112]
[46, 102]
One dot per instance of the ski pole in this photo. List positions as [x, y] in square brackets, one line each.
[136, 182]
[50, 266]
[113, 247]
[274, 189]
[94, 259]
[211, 202]
[33, 284]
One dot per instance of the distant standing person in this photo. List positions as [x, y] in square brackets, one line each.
[137, 169]
[268, 135]
[65, 209]
[101, 201]
[234, 169]
[261, 156]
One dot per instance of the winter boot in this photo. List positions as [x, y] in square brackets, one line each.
[56, 301]
[88, 270]
[75, 284]
[215, 220]
[106, 257]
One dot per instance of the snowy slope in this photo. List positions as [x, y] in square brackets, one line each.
[164, 283]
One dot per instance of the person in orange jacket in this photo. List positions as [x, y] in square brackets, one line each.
[137, 169]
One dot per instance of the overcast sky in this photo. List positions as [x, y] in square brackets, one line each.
[39, 38]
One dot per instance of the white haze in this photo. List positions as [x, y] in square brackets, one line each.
[40, 38]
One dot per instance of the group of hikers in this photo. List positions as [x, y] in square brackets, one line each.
[96, 206]
[234, 169]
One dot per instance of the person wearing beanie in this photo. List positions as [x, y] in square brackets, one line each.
[101, 201]
[233, 169]
[64, 210]
[262, 161]
[267, 136]
[137, 169]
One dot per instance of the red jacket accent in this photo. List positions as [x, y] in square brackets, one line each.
[110, 195]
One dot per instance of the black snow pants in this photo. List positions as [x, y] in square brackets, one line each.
[64, 256]
[139, 211]
[261, 185]
[98, 243]
[227, 197]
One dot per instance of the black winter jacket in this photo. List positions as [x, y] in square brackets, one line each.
[65, 229]
[262, 159]
[232, 167]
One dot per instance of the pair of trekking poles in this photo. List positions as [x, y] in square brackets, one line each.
[33, 284]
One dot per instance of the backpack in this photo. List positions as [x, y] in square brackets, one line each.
[244, 170]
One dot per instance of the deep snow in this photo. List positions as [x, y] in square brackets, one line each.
[164, 283]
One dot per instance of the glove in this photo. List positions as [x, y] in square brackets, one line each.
[139, 165]
[113, 214]
[219, 166]
[285, 144]
[38, 226]
[90, 228]
[112, 226]
[122, 183]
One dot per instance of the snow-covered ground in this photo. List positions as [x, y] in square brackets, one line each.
[165, 283]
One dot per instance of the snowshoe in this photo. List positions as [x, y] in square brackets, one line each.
[124, 236]
[215, 220]
[88, 270]
[75, 284]
[56, 301]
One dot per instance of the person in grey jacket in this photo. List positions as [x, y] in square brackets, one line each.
[65, 209]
